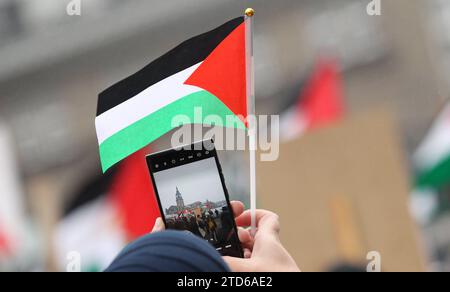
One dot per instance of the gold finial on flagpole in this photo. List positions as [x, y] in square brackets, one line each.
[249, 12]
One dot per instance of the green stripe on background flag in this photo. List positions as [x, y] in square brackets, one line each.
[436, 177]
[130, 139]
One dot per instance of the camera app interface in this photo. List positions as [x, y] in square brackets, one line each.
[192, 198]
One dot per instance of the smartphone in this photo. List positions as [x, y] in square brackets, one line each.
[192, 196]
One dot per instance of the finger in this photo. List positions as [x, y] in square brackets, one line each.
[266, 221]
[238, 208]
[245, 218]
[245, 238]
[247, 253]
[159, 225]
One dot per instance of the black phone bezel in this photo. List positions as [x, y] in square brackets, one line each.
[183, 155]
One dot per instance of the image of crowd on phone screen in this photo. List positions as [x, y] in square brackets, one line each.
[209, 220]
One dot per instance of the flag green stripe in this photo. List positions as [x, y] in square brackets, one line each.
[150, 128]
[436, 177]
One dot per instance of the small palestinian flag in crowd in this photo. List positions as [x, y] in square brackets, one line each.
[13, 220]
[432, 159]
[320, 103]
[432, 165]
[207, 71]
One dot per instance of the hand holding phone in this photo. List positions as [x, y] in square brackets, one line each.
[192, 195]
[265, 252]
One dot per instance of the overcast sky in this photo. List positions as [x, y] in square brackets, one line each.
[198, 181]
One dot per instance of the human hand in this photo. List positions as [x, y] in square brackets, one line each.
[264, 252]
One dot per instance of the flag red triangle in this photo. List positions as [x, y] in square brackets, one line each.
[223, 73]
[133, 195]
[322, 101]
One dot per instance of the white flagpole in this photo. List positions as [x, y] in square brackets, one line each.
[251, 119]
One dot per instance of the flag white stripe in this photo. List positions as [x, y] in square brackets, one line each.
[292, 124]
[12, 215]
[436, 146]
[145, 103]
[94, 232]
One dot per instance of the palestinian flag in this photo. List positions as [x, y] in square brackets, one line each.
[207, 71]
[432, 158]
[320, 103]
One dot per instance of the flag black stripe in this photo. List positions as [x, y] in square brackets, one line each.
[180, 58]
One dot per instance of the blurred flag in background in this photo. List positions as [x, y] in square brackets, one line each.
[432, 164]
[4, 243]
[12, 212]
[108, 212]
[321, 102]
[432, 158]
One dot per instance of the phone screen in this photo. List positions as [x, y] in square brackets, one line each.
[192, 196]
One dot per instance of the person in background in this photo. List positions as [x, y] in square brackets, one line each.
[212, 226]
[170, 251]
[194, 226]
